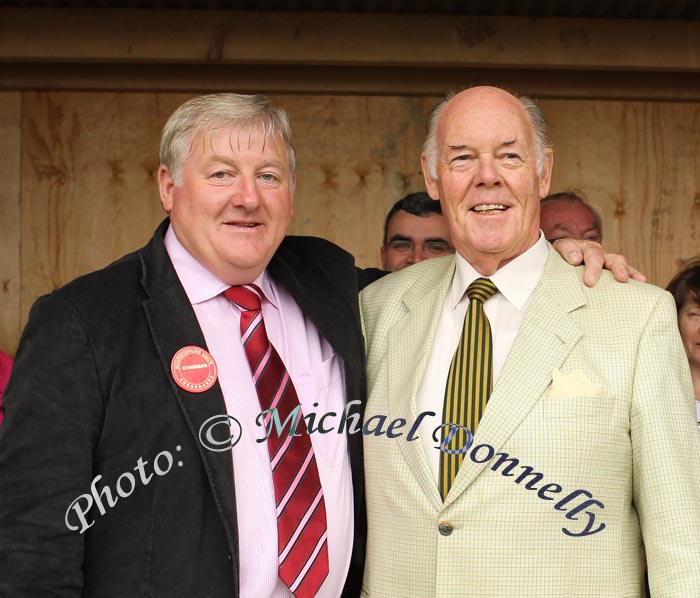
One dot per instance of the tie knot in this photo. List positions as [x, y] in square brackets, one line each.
[246, 297]
[481, 289]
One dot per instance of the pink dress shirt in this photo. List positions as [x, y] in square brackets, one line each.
[317, 374]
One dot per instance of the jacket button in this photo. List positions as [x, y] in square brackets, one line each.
[445, 528]
[229, 556]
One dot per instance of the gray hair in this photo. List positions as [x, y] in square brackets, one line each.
[216, 111]
[537, 120]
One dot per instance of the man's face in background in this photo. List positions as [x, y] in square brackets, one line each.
[411, 239]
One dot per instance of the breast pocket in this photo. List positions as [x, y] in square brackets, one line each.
[321, 392]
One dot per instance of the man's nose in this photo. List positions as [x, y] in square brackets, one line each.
[417, 254]
[246, 193]
[487, 173]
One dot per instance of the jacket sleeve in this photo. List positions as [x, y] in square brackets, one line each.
[666, 457]
[53, 416]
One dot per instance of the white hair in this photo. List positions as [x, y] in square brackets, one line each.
[537, 120]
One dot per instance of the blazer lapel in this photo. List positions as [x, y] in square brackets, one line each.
[174, 325]
[546, 337]
[408, 349]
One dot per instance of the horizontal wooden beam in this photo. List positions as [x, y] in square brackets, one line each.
[346, 39]
[348, 80]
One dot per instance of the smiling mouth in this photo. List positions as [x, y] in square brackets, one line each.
[243, 224]
[489, 208]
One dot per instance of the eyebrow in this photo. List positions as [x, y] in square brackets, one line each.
[428, 240]
[400, 238]
[225, 160]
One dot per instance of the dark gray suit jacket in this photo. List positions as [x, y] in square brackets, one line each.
[91, 394]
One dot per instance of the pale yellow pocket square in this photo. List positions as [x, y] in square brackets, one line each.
[575, 384]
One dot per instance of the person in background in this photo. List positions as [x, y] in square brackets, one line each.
[414, 230]
[5, 368]
[569, 215]
[685, 288]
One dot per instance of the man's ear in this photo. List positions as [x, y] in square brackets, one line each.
[382, 256]
[545, 179]
[166, 186]
[430, 182]
[292, 188]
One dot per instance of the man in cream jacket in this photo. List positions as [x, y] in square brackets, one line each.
[526, 438]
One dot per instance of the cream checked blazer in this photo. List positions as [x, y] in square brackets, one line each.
[613, 444]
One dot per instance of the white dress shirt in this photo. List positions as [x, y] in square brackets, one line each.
[317, 374]
[516, 281]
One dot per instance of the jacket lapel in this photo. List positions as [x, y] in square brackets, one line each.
[408, 349]
[173, 325]
[546, 337]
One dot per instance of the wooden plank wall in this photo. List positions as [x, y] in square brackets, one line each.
[10, 144]
[88, 189]
[79, 153]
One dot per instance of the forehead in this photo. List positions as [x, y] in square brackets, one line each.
[690, 302]
[565, 209]
[416, 227]
[484, 120]
[232, 141]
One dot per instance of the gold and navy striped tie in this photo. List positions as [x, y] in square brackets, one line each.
[469, 381]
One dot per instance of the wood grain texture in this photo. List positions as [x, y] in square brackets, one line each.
[638, 163]
[89, 194]
[395, 80]
[10, 281]
[347, 39]
[357, 156]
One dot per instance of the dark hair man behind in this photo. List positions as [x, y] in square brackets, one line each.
[569, 215]
[414, 230]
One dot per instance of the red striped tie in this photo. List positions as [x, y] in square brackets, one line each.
[301, 510]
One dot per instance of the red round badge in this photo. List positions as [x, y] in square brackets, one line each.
[193, 369]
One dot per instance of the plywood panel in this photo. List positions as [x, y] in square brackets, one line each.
[89, 162]
[638, 163]
[357, 156]
[89, 194]
[10, 110]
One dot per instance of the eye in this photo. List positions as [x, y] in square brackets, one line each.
[400, 245]
[437, 247]
[269, 177]
[511, 156]
[219, 175]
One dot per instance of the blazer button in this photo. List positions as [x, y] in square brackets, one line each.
[445, 528]
[229, 557]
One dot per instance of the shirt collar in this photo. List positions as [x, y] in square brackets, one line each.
[516, 281]
[199, 283]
